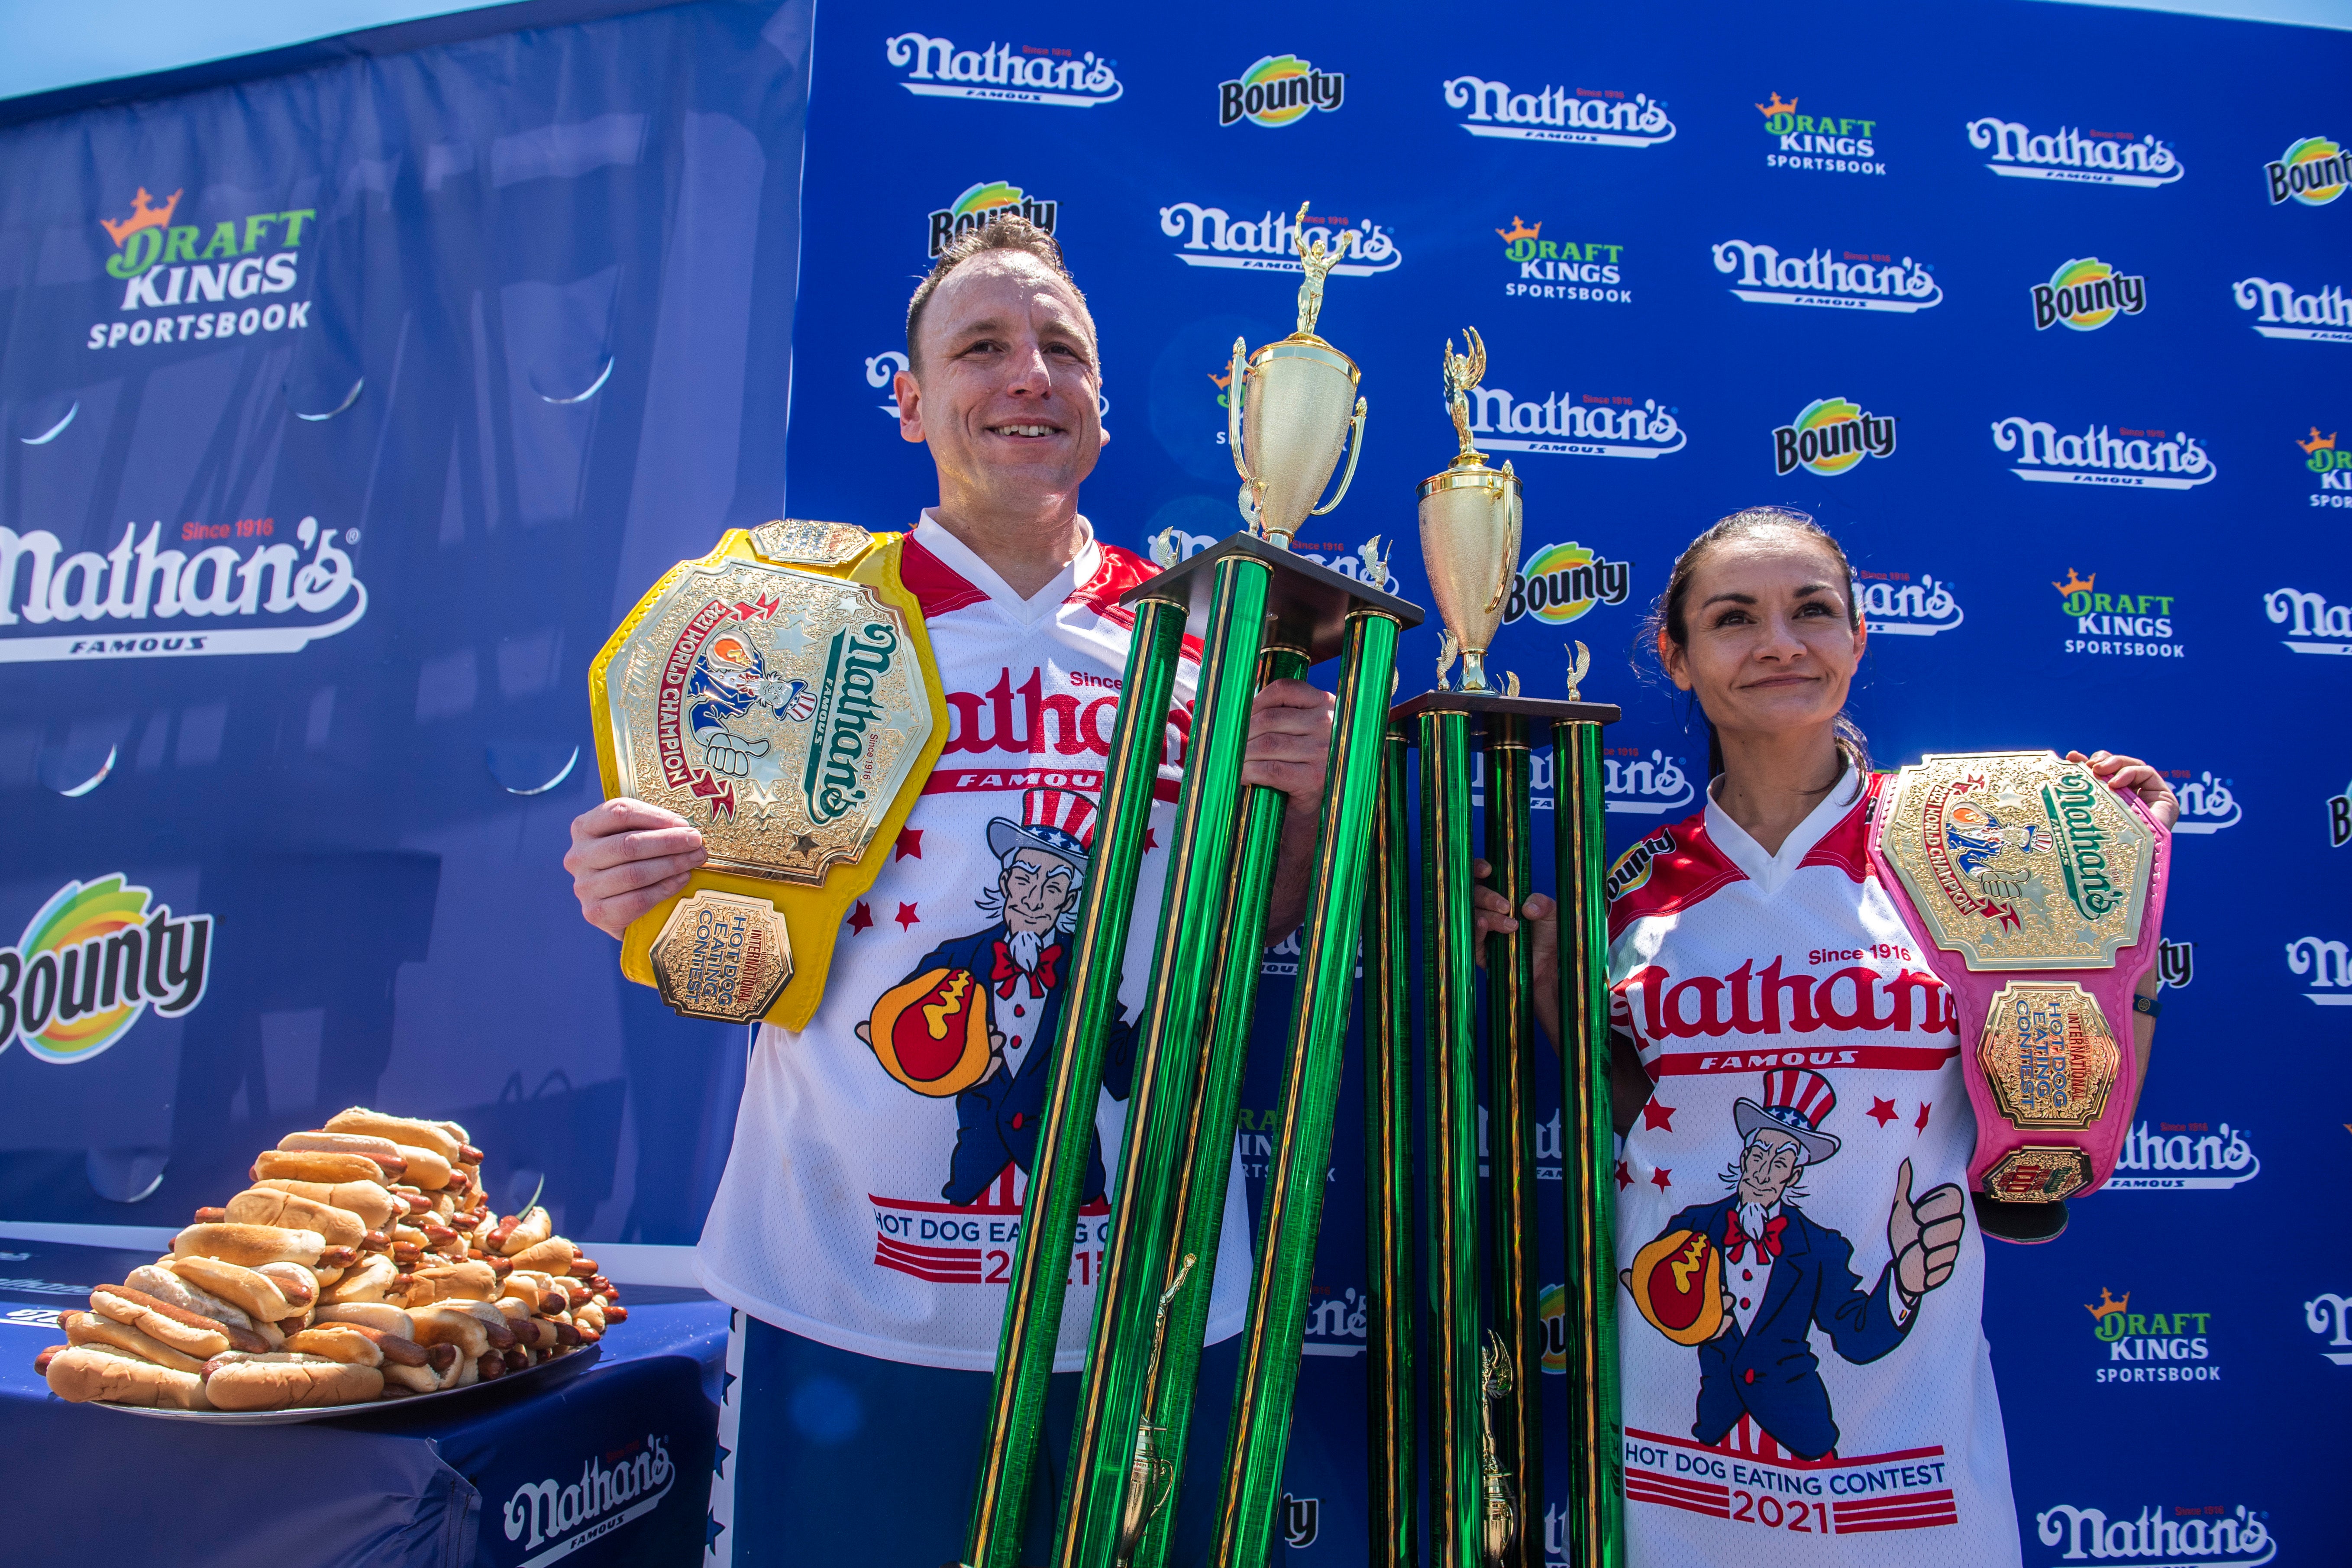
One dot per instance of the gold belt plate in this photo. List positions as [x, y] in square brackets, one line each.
[2048, 1056]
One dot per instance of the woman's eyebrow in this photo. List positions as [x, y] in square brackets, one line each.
[1730, 598]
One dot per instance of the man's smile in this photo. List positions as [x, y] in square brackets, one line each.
[1029, 432]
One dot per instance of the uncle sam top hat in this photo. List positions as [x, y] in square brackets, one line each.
[1796, 1101]
[1061, 822]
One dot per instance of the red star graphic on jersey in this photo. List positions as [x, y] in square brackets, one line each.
[1661, 1178]
[1922, 1122]
[1656, 1116]
[861, 917]
[1881, 1111]
[910, 842]
[906, 916]
[1624, 1176]
[1150, 838]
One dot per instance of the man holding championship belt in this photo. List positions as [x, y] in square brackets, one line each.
[865, 1225]
[1798, 1047]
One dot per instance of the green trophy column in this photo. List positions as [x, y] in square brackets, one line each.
[1041, 1258]
[1391, 1453]
[1299, 1169]
[1207, 1171]
[1510, 1132]
[1596, 1481]
[1168, 1056]
[1450, 1083]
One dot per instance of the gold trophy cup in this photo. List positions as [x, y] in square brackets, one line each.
[1469, 532]
[1289, 411]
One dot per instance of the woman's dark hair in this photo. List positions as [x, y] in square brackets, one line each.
[1668, 615]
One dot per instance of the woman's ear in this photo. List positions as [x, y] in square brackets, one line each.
[1671, 659]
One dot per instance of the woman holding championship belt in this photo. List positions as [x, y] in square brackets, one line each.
[1791, 1219]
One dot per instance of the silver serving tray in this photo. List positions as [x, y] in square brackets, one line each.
[538, 1379]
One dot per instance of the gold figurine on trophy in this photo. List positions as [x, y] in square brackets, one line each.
[1289, 411]
[1501, 1515]
[1469, 529]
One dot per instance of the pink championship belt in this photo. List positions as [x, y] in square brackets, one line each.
[2037, 895]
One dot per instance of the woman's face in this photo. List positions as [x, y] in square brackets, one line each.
[1770, 649]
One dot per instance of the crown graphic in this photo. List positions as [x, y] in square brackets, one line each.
[142, 215]
[2318, 443]
[2075, 583]
[1223, 381]
[2108, 1305]
[1776, 106]
[1520, 229]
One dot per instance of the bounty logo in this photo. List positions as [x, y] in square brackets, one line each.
[2086, 294]
[1562, 268]
[1632, 867]
[2324, 317]
[1835, 279]
[1892, 604]
[1561, 582]
[2314, 625]
[2176, 963]
[2156, 1347]
[2083, 158]
[1002, 73]
[90, 963]
[2329, 965]
[211, 585]
[1830, 437]
[1551, 1317]
[1574, 425]
[1828, 143]
[163, 270]
[1213, 238]
[2339, 819]
[2131, 625]
[1586, 117]
[2121, 458]
[2334, 468]
[2183, 1156]
[2207, 805]
[2330, 1314]
[1280, 89]
[982, 201]
[2192, 1536]
[2313, 172]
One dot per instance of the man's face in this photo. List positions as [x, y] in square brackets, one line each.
[1767, 1166]
[1039, 889]
[1006, 394]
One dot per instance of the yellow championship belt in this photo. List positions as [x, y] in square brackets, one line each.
[781, 695]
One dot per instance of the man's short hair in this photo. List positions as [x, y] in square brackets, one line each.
[1009, 231]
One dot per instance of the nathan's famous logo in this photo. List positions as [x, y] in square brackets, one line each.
[2329, 965]
[2133, 625]
[1574, 425]
[1643, 786]
[2183, 1156]
[2159, 1347]
[2314, 625]
[2086, 294]
[1278, 90]
[2120, 458]
[605, 1497]
[1561, 582]
[1835, 143]
[91, 962]
[1830, 435]
[837, 769]
[2083, 157]
[137, 584]
[2323, 317]
[987, 200]
[176, 268]
[1837, 279]
[2334, 468]
[1002, 73]
[1564, 268]
[2208, 805]
[2081, 843]
[1213, 238]
[2221, 1537]
[2331, 1314]
[2312, 171]
[1585, 117]
[1892, 604]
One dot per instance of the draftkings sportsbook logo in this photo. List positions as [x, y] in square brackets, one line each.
[90, 963]
[1573, 424]
[1002, 73]
[2121, 458]
[2080, 157]
[2194, 1536]
[1560, 583]
[985, 201]
[1893, 604]
[1830, 435]
[1833, 279]
[1213, 238]
[1279, 91]
[2131, 625]
[2183, 1156]
[201, 286]
[1833, 143]
[2151, 1347]
[2085, 294]
[2311, 171]
[1587, 269]
[2323, 317]
[1586, 117]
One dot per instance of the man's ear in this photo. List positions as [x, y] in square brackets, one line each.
[909, 394]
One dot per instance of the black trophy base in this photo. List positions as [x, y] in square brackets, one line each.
[1306, 606]
[1486, 707]
[2027, 1224]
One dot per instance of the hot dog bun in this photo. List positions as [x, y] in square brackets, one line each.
[370, 1200]
[289, 1384]
[367, 1281]
[190, 1334]
[93, 1328]
[553, 1255]
[313, 1166]
[86, 1372]
[383, 1151]
[470, 1280]
[381, 1316]
[535, 1226]
[405, 1129]
[425, 1168]
[276, 1206]
[157, 1280]
[249, 1244]
[296, 1283]
[251, 1292]
[339, 1342]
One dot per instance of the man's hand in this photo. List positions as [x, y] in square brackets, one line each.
[1290, 751]
[1924, 1237]
[724, 752]
[1491, 915]
[626, 858]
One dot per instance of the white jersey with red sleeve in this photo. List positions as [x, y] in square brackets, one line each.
[872, 1195]
[1794, 1393]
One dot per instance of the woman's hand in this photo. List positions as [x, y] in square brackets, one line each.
[1491, 916]
[626, 858]
[2131, 774]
